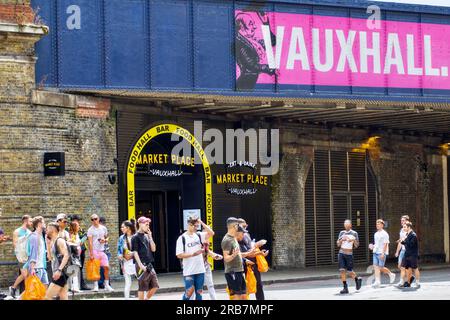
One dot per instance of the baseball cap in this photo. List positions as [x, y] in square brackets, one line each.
[143, 220]
[61, 216]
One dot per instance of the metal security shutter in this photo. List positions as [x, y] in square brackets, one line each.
[340, 186]
[339, 177]
[310, 225]
[357, 171]
[323, 216]
[129, 126]
[340, 214]
[357, 182]
[372, 204]
[359, 219]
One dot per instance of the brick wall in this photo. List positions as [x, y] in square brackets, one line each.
[16, 11]
[288, 207]
[34, 122]
[410, 182]
[27, 132]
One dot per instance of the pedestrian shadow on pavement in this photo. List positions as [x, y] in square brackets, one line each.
[409, 289]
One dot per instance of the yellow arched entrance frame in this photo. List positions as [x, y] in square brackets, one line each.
[140, 145]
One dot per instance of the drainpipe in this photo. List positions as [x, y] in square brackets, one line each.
[446, 217]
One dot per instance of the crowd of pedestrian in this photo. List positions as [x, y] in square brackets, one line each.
[136, 248]
[55, 254]
[407, 253]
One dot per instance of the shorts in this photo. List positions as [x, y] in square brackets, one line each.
[41, 273]
[377, 261]
[22, 265]
[345, 262]
[410, 262]
[100, 255]
[236, 283]
[148, 281]
[401, 255]
[62, 281]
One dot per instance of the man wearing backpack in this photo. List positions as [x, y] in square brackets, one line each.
[20, 239]
[60, 260]
[190, 250]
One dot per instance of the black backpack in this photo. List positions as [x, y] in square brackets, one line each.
[183, 239]
[72, 263]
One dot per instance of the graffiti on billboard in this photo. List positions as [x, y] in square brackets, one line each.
[250, 49]
[300, 49]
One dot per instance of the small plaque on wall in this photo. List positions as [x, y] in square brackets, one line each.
[54, 164]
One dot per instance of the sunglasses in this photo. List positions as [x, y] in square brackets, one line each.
[94, 219]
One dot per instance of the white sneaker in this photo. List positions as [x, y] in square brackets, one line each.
[95, 287]
[391, 277]
[376, 284]
[75, 286]
[108, 288]
[400, 283]
[415, 285]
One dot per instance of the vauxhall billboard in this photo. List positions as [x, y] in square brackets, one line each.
[278, 49]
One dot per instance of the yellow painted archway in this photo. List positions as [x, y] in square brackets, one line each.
[136, 151]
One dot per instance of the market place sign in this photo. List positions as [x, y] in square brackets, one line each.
[164, 158]
[241, 183]
[163, 164]
[54, 164]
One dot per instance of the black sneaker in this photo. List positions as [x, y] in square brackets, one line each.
[344, 291]
[405, 285]
[12, 292]
[358, 283]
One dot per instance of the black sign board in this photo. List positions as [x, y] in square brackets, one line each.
[54, 164]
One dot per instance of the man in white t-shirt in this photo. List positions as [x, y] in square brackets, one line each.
[97, 236]
[380, 252]
[190, 250]
[348, 240]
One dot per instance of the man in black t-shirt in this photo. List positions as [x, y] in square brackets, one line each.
[410, 260]
[143, 246]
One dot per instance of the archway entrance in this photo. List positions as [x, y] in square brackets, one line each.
[164, 185]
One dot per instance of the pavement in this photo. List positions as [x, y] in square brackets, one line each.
[172, 283]
[434, 285]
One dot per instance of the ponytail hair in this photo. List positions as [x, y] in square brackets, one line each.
[131, 224]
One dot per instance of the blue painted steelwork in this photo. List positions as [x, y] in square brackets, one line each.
[187, 46]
